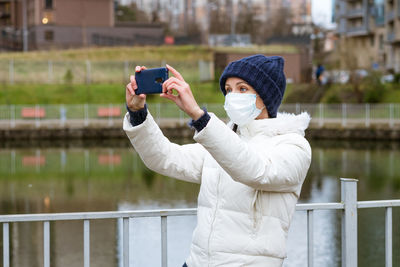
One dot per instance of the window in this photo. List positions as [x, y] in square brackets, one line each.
[49, 4]
[381, 40]
[49, 35]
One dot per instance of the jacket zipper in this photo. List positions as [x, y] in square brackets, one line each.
[212, 223]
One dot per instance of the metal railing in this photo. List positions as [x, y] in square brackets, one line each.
[85, 114]
[348, 206]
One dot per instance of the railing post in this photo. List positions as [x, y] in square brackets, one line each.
[110, 121]
[164, 239]
[125, 241]
[344, 114]
[63, 115]
[46, 244]
[13, 161]
[6, 245]
[86, 110]
[388, 237]
[349, 222]
[12, 116]
[391, 122]
[310, 237]
[37, 116]
[367, 115]
[86, 243]
[321, 114]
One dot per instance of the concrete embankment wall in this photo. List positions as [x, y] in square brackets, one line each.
[179, 129]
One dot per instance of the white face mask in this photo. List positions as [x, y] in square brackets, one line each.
[241, 108]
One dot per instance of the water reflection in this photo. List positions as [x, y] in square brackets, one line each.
[112, 177]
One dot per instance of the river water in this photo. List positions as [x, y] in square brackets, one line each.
[108, 176]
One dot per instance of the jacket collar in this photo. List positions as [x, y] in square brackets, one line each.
[284, 123]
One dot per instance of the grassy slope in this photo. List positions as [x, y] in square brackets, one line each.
[392, 96]
[145, 53]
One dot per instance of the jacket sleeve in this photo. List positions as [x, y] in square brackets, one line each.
[280, 168]
[183, 162]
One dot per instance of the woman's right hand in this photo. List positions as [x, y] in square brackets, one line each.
[133, 101]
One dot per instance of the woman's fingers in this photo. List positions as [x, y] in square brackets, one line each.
[140, 68]
[133, 83]
[130, 89]
[170, 97]
[174, 86]
[175, 72]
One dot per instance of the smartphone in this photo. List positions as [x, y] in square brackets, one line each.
[150, 81]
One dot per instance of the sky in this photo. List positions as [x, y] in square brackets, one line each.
[321, 12]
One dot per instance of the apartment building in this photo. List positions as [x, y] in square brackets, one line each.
[369, 34]
[68, 23]
[392, 25]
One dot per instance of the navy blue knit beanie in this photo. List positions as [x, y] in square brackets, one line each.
[264, 74]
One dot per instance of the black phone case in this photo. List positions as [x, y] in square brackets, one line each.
[150, 81]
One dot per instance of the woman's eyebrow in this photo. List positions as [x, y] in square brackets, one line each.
[241, 82]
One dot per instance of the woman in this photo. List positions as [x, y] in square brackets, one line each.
[251, 170]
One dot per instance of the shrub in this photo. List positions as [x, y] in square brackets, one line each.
[68, 77]
[372, 88]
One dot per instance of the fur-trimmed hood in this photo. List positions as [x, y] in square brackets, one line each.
[284, 123]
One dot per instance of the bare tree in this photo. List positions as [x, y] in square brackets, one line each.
[280, 23]
[130, 13]
[219, 21]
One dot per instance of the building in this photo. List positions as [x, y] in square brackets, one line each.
[44, 24]
[369, 34]
[392, 27]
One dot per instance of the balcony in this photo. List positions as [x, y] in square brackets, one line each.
[355, 13]
[390, 16]
[391, 37]
[398, 8]
[357, 31]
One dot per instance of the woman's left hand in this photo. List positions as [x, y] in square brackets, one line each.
[184, 98]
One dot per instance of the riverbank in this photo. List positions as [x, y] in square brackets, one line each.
[177, 128]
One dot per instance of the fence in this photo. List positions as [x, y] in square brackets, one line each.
[79, 72]
[348, 207]
[340, 114]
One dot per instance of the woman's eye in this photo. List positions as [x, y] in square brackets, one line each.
[243, 89]
[228, 90]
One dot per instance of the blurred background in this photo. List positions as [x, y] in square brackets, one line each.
[350, 47]
[64, 65]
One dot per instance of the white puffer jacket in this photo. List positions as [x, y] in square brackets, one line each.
[250, 183]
